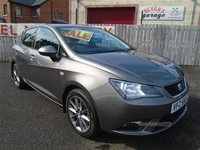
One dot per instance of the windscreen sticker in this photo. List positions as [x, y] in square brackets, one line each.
[78, 34]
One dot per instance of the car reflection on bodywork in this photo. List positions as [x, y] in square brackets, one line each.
[101, 82]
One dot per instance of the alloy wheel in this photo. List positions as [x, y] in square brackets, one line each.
[79, 114]
[16, 76]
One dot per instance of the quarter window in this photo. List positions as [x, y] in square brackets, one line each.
[28, 37]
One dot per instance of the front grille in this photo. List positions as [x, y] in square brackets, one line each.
[176, 88]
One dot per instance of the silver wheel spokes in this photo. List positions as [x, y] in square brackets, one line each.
[16, 77]
[79, 114]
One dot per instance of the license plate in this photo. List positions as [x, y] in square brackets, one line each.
[178, 104]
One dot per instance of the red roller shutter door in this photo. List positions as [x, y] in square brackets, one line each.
[111, 15]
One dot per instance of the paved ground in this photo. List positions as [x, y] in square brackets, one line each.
[30, 121]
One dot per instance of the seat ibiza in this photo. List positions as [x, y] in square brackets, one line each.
[101, 82]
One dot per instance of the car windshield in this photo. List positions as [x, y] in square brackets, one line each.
[86, 40]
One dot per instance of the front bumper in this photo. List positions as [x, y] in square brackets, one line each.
[137, 117]
[151, 127]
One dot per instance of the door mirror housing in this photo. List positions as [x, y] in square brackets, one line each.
[48, 50]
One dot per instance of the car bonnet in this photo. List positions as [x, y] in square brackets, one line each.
[136, 66]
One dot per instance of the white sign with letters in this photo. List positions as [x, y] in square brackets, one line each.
[110, 29]
[15, 29]
[162, 12]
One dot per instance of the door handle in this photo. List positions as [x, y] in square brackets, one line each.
[32, 57]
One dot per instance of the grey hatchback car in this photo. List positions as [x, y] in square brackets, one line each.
[101, 82]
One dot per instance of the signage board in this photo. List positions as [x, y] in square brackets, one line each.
[15, 29]
[162, 12]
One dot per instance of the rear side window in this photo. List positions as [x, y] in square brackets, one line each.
[28, 37]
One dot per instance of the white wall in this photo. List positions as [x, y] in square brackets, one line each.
[83, 4]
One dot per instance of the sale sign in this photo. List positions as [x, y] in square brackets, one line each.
[78, 34]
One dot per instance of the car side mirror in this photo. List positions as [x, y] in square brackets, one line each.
[48, 50]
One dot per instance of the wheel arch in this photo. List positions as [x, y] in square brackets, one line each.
[94, 125]
[71, 86]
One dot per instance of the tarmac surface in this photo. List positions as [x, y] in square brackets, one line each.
[28, 120]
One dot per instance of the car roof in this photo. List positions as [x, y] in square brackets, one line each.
[63, 25]
[54, 26]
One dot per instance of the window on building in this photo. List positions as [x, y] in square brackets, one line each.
[35, 12]
[60, 16]
[18, 10]
[5, 9]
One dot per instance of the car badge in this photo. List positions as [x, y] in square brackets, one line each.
[180, 87]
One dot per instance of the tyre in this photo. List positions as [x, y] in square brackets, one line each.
[19, 82]
[82, 114]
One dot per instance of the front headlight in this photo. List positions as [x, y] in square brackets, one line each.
[130, 91]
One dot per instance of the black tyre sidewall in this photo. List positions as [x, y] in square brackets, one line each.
[22, 83]
[94, 126]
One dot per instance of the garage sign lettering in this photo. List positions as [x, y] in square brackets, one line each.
[162, 12]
